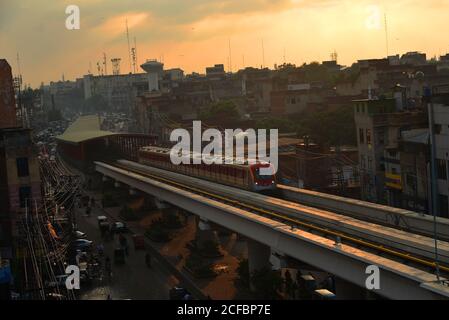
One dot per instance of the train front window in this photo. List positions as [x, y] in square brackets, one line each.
[260, 176]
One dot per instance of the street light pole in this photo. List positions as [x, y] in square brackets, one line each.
[434, 188]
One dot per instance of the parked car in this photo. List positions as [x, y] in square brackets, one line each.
[82, 243]
[79, 234]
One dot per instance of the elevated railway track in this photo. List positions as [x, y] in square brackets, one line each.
[400, 245]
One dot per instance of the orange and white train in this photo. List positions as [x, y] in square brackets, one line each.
[244, 176]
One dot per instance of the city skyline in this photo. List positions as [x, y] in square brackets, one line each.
[192, 36]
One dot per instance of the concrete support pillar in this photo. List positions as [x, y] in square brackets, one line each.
[150, 202]
[345, 290]
[258, 258]
[278, 260]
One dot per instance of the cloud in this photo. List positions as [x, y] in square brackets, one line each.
[36, 28]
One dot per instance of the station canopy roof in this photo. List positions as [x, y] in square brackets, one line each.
[83, 129]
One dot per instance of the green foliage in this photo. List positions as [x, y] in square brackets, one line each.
[329, 128]
[224, 110]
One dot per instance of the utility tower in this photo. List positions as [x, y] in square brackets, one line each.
[105, 64]
[116, 66]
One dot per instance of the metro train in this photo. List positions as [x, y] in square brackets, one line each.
[244, 176]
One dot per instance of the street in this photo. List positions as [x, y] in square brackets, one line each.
[133, 280]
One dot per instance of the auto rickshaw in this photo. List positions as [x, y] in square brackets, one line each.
[119, 256]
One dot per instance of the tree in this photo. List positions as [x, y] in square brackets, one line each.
[329, 128]
[220, 111]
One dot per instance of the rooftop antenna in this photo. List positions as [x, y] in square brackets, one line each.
[90, 67]
[129, 47]
[133, 54]
[20, 71]
[334, 56]
[116, 66]
[105, 64]
[100, 73]
[135, 51]
[263, 55]
[243, 61]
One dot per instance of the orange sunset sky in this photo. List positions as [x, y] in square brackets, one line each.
[193, 34]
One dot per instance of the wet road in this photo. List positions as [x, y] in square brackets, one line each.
[133, 280]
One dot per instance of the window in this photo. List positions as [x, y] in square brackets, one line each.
[22, 167]
[438, 128]
[441, 169]
[368, 136]
[362, 162]
[370, 163]
[361, 136]
[25, 196]
[444, 210]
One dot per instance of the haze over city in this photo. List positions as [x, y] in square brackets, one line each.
[195, 34]
[269, 152]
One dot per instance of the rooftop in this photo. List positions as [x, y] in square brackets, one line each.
[83, 129]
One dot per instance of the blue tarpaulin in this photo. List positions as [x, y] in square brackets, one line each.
[5, 274]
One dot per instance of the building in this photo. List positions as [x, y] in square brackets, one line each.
[20, 187]
[415, 169]
[216, 72]
[84, 142]
[441, 129]
[379, 126]
[118, 91]
[7, 102]
[331, 170]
